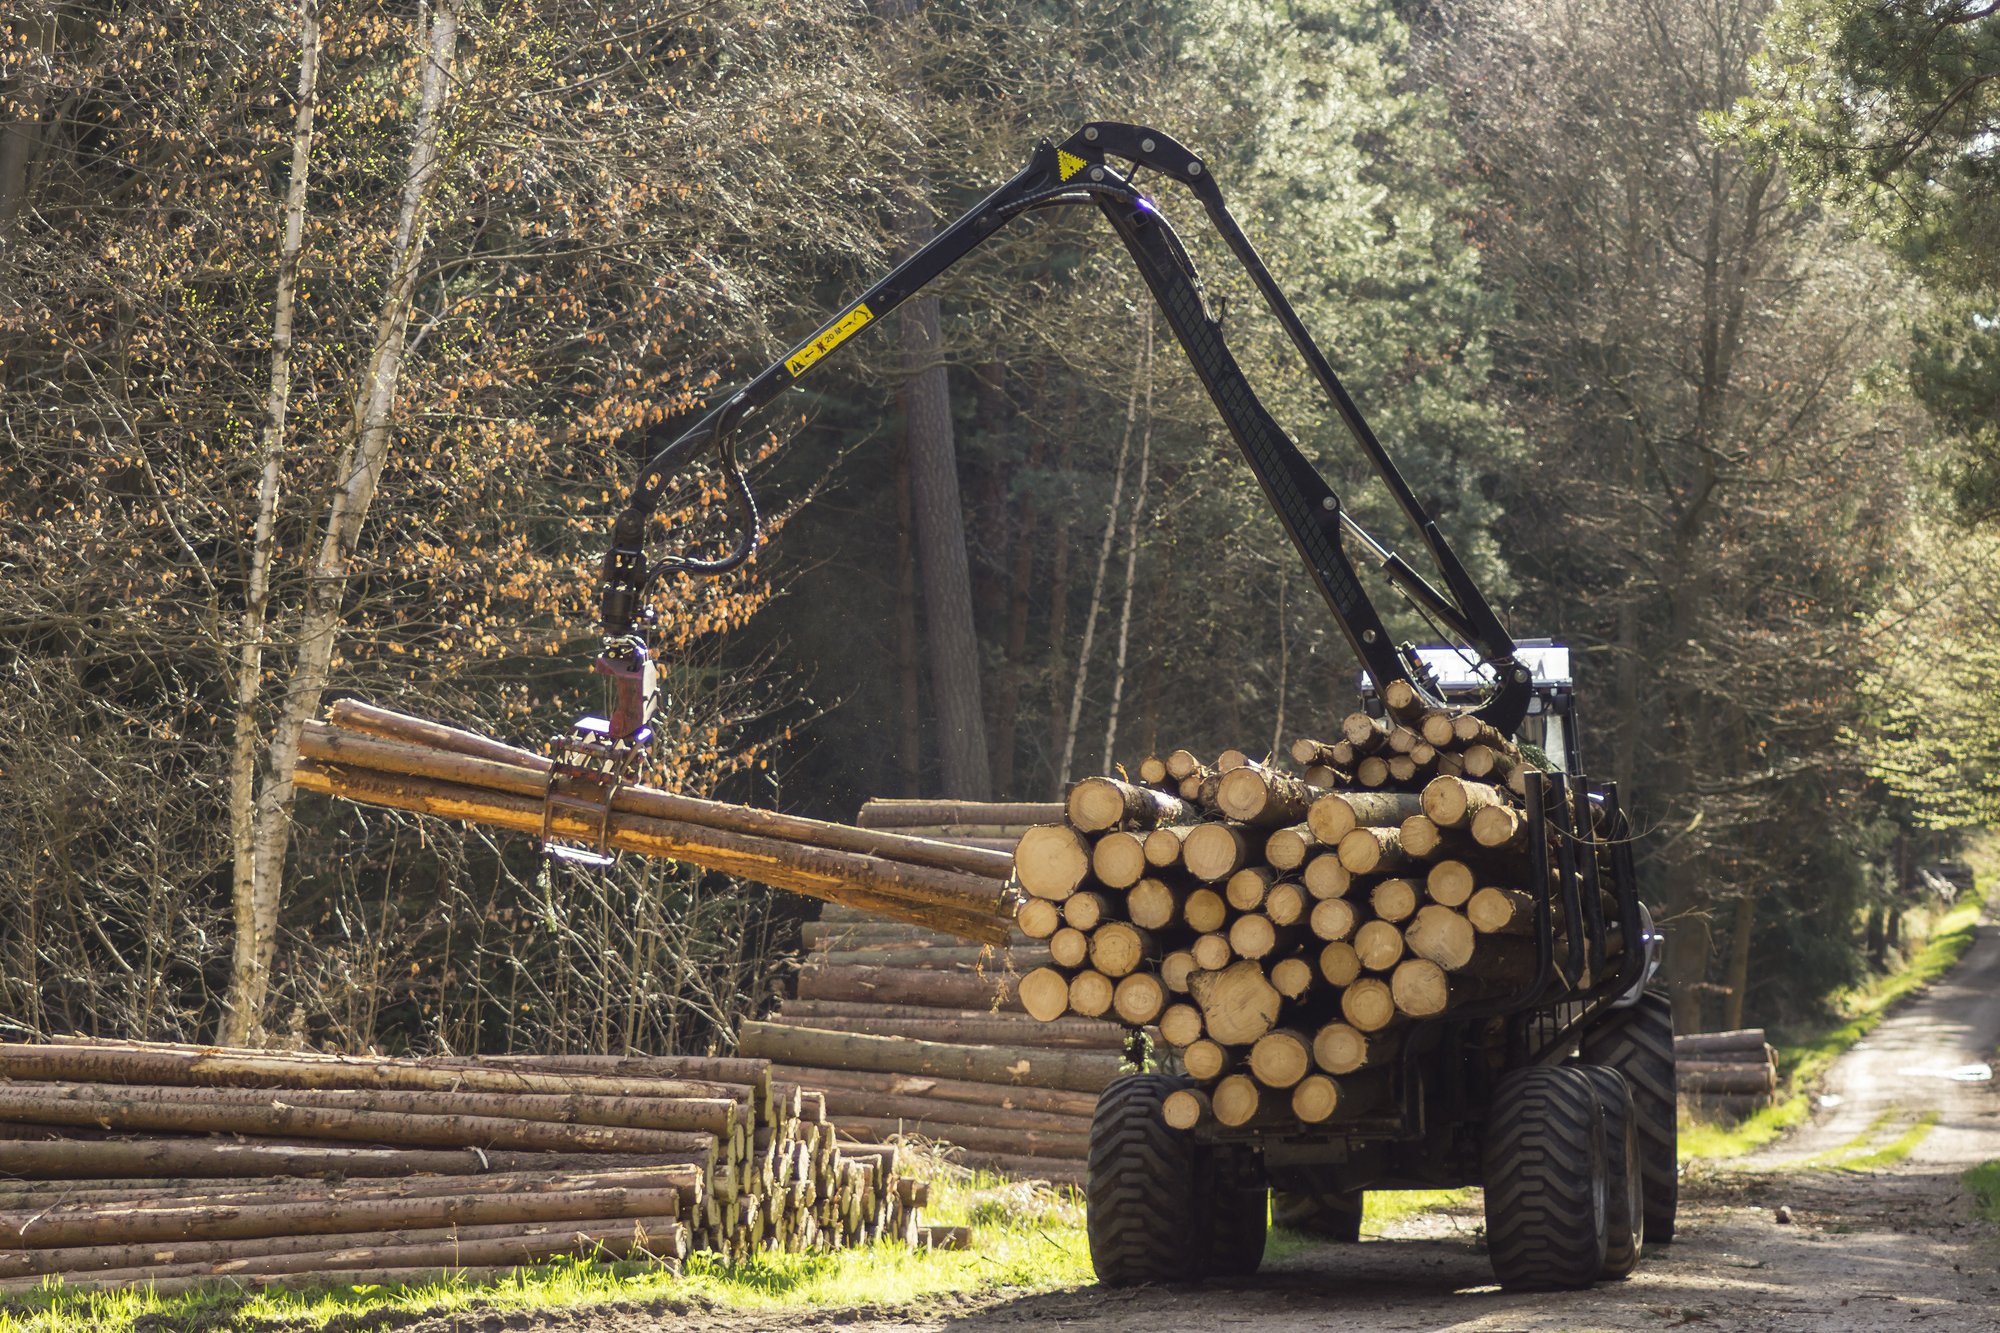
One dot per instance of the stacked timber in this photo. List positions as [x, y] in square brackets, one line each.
[910, 1032]
[1283, 929]
[1726, 1074]
[178, 1165]
[378, 757]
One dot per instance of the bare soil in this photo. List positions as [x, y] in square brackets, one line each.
[1892, 1248]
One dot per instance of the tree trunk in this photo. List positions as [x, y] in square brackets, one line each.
[1097, 591]
[243, 825]
[1131, 560]
[256, 911]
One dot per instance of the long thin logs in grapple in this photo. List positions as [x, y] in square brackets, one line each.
[378, 757]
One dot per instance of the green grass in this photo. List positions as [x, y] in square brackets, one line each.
[1024, 1237]
[1805, 1058]
[1893, 1151]
[1984, 1182]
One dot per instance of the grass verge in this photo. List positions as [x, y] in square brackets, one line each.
[1984, 1182]
[1024, 1237]
[1801, 1062]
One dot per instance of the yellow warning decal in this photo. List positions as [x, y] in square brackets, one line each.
[828, 338]
[1067, 164]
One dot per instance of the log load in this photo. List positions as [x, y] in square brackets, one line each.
[379, 757]
[1291, 927]
[180, 1164]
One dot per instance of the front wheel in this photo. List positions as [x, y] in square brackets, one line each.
[1547, 1187]
[1140, 1186]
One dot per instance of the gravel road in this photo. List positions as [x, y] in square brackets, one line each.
[1897, 1247]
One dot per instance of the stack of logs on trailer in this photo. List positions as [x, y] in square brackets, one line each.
[910, 1031]
[1727, 1074]
[1282, 929]
[177, 1165]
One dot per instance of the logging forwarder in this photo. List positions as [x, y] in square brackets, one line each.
[1556, 1095]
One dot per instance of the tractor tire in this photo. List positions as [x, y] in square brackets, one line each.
[1626, 1225]
[1334, 1217]
[1143, 1218]
[1639, 1043]
[1238, 1213]
[1547, 1188]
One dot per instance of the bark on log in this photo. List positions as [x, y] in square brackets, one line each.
[337, 1256]
[1078, 1071]
[1263, 798]
[45, 1229]
[698, 1115]
[78, 1160]
[977, 1091]
[990, 1030]
[1741, 1039]
[199, 1067]
[909, 986]
[1336, 814]
[883, 812]
[974, 1138]
[1097, 804]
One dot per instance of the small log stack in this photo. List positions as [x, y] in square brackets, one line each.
[1726, 1074]
[379, 757]
[176, 1165]
[1282, 927]
[907, 1031]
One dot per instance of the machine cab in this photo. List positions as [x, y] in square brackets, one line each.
[1462, 678]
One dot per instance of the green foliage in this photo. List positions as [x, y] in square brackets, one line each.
[1984, 1182]
[1886, 109]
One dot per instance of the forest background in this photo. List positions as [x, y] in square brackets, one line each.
[330, 331]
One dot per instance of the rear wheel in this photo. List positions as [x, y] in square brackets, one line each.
[1335, 1217]
[1143, 1221]
[1238, 1210]
[1638, 1042]
[1547, 1190]
[1625, 1221]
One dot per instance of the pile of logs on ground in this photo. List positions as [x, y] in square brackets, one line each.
[1726, 1074]
[1283, 928]
[178, 1165]
[906, 1031]
[378, 757]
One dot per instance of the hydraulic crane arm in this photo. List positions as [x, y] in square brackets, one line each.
[1076, 172]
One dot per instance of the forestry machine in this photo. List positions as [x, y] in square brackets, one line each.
[1557, 1096]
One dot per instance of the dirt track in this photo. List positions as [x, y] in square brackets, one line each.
[1892, 1248]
